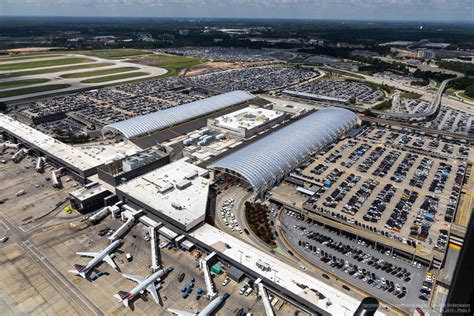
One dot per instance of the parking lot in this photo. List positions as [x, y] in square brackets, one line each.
[366, 265]
[342, 90]
[376, 183]
[221, 53]
[448, 119]
[90, 110]
[263, 78]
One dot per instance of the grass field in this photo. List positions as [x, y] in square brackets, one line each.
[20, 83]
[43, 63]
[113, 53]
[115, 77]
[15, 92]
[410, 95]
[385, 105]
[20, 57]
[99, 72]
[52, 70]
[174, 64]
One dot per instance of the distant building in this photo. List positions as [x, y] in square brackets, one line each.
[404, 52]
[397, 44]
[364, 53]
[183, 32]
[425, 54]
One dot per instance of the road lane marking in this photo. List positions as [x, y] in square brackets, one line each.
[469, 209]
[462, 209]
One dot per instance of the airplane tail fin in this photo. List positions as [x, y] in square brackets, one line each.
[79, 270]
[79, 267]
[122, 296]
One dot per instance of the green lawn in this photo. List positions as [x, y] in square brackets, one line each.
[174, 64]
[113, 53]
[11, 93]
[99, 72]
[52, 70]
[115, 77]
[409, 95]
[43, 63]
[20, 57]
[20, 83]
[385, 105]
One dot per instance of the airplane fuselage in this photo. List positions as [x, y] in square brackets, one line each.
[142, 286]
[98, 259]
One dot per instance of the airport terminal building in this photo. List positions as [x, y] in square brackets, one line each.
[266, 161]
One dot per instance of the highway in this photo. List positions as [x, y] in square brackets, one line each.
[426, 95]
[432, 110]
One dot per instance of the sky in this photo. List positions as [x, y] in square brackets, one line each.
[413, 10]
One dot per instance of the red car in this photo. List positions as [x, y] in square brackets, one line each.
[422, 313]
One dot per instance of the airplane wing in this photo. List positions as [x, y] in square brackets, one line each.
[152, 290]
[180, 313]
[133, 278]
[87, 254]
[110, 261]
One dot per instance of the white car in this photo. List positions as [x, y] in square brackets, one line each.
[225, 282]
[3, 239]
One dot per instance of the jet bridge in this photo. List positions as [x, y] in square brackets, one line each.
[210, 287]
[40, 162]
[263, 294]
[130, 216]
[98, 216]
[155, 254]
[19, 155]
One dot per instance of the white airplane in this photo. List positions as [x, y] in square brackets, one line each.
[97, 257]
[144, 284]
[210, 308]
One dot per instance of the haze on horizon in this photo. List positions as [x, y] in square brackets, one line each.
[402, 10]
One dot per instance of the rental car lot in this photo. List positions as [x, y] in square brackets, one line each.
[378, 183]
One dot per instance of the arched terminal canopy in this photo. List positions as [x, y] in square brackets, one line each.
[149, 123]
[267, 160]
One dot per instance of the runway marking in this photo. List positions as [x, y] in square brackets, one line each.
[31, 250]
[5, 225]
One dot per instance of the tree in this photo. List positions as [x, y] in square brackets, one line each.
[469, 91]
[3, 107]
[352, 100]
[368, 112]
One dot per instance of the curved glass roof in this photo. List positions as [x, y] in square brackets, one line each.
[263, 162]
[165, 118]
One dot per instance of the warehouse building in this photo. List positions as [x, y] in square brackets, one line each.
[147, 124]
[265, 162]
